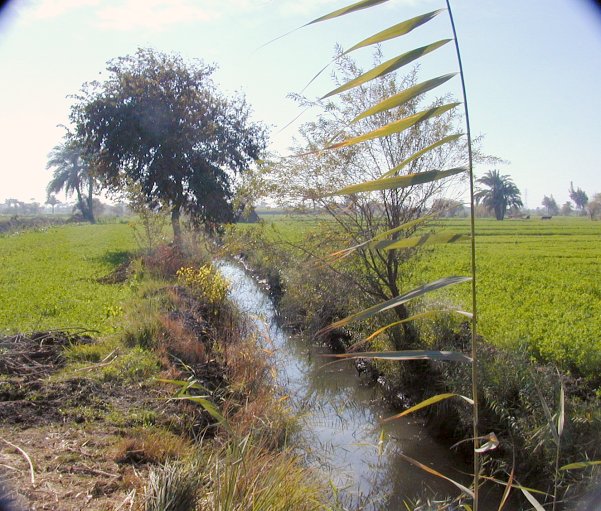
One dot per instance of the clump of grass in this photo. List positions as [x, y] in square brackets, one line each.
[245, 476]
[132, 417]
[93, 352]
[137, 364]
[178, 341]
[151, 445]
[172, 487]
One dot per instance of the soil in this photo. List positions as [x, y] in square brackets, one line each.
[58, 437]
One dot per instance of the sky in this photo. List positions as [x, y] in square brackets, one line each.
[532, 67]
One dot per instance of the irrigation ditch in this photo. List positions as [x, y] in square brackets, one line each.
[340, 410]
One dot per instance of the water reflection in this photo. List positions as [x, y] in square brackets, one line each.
[340, 416]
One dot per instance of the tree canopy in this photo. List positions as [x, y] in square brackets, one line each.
[579, 197]
[551, 205]
[497, 193]
[161, 123]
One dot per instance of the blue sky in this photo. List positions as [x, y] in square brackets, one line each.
[533, 70]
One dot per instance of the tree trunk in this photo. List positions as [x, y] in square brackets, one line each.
[175, 224]
[90, 200]
[80, 203]
[499, 212]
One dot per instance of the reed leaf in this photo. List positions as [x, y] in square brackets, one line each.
[428, 402]
[492, 442]
[340, 254]
[388, 67]
[425, 468]
[548, 415]
[415, 156]
[357, 6]
[389, 183]
[400, 29]
[580, 465]
[535, 503]
[395, 302]
[418, 241]
[395, 127]
[404, 96]
[562, 410]
[449, 356]
[209, 407]
[508, 487]
[421, 315]
[516, 485]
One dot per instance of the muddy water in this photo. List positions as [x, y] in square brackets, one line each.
[340, 415]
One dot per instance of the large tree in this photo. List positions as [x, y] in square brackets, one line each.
[161, 123]
[497, 193]
[73, 175]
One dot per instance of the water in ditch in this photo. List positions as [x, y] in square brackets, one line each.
[340, 432]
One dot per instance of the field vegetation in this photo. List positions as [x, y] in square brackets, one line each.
[536, 287]
[52, 278]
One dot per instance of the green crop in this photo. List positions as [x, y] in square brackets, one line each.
[49, 278]
[537, 285]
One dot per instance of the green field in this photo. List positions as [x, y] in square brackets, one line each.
[538, 282]
[48, 278]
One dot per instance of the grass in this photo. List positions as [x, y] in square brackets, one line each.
[48, 278]
[537, 286]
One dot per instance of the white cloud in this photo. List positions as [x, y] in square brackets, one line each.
[46, 9]
[153, 14]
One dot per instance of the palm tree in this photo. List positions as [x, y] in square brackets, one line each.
[72, 173]
[500, 193]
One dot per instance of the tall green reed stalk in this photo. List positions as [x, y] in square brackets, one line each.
[395, 178]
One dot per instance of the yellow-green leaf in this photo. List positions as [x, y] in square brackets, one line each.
[388, 67]
[396, 301]
[396, 126]
[397, 30]
[415, 317]
[418, 241]
[357, 6]
[415, 156]
[339, 254]
[404, 96]
[580, 465]
[428, 402]
[399, 181]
